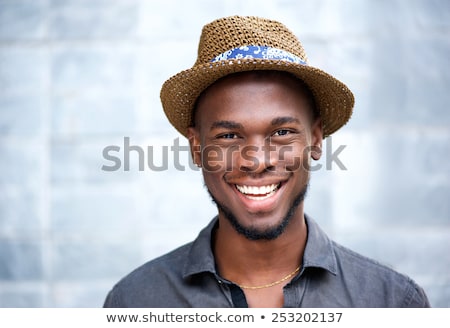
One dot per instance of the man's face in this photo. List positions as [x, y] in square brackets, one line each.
[253, 138]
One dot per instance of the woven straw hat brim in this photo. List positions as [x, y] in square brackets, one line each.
[178, 94]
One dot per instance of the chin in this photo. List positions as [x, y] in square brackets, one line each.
[266, 232]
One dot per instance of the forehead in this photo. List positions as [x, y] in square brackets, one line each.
[254, 95]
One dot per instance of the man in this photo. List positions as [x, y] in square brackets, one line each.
[255, 114]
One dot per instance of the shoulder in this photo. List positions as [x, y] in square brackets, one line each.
[151, 278]
[171, 280]
[385, 286]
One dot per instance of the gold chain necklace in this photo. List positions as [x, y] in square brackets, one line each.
[272, 283]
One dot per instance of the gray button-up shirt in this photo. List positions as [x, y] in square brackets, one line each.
[331, 276]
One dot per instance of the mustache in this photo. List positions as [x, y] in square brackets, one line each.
[230, 176]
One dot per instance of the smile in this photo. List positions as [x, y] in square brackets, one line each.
[258, 193]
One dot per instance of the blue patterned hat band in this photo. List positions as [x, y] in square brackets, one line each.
[259, 52]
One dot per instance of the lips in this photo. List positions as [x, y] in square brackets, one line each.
[258, 192]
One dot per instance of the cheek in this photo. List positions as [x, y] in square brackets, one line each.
[294, 157]
[216, 159]
[212, 159]
[215, 184]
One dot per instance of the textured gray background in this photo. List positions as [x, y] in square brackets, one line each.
[77, 76]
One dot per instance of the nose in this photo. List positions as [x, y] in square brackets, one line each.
[257, 155]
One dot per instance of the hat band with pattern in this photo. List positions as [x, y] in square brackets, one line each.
[261, 52]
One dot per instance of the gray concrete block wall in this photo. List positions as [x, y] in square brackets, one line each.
[78, 76]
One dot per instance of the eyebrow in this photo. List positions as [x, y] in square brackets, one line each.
[231, 125]
[283, 120]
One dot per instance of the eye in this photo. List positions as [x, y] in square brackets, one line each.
[282, 132]
[228, 136]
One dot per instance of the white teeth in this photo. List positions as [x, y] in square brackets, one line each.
[253, 190]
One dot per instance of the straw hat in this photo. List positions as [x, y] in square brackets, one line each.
[237, 44]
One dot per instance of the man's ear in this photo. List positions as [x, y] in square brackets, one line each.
[195, 145]
[316, 139]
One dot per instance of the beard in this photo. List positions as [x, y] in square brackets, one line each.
[270, 233]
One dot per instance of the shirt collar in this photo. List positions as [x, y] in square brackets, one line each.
[200, 257]
[319, 252]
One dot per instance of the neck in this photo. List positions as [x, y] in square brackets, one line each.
[256, 262]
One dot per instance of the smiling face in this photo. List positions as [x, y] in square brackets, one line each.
[253, 136]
